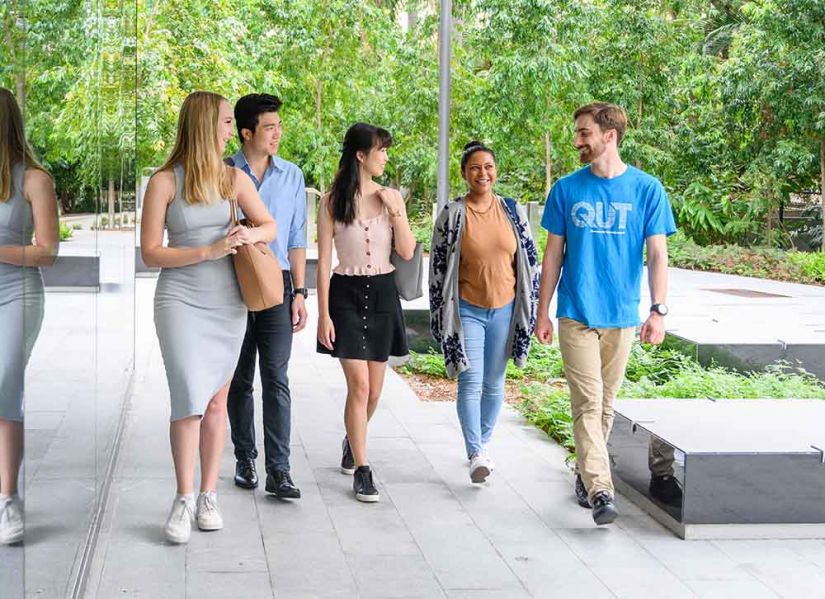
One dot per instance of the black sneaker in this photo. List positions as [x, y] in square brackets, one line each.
[280, 484]
[347, 461]
[363, 485]
[581, 493]
[604, 512]
[246, 476]
[666, 488]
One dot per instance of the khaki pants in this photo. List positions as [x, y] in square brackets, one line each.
[660, 458]
[594, 364]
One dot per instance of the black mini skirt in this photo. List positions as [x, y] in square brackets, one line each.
[367, 316]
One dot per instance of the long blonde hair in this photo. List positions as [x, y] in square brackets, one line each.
[14, 149]
[206, 177]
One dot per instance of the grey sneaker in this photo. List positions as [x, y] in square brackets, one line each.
[178, 526]
[208, 515]
[11, 520]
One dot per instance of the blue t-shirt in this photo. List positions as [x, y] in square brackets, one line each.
[605, 223]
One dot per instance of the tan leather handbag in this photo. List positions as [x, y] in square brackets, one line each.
[258, 270]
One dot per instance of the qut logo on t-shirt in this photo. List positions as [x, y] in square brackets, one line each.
[611, 219]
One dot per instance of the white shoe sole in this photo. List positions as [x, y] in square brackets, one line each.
[176, 539]
[210, 527]
[480, 474]
[12, 537]
[367, 498]
[347, 470]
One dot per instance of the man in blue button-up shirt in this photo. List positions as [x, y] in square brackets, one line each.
[269, 332]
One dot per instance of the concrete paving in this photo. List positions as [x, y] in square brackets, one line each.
[433, 534]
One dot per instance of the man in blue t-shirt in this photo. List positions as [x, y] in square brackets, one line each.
[599, 219]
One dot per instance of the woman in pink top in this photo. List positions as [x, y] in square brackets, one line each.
[360, 321]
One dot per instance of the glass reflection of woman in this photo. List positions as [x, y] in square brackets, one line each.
[28, 240]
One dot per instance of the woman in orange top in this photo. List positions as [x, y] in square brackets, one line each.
[482, 253]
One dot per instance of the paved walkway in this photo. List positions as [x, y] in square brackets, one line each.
[432, 535]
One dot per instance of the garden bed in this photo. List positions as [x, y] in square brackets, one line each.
[540, 391]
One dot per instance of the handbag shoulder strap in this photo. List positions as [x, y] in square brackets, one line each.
[233, 203]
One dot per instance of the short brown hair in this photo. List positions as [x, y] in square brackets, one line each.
[607, 116]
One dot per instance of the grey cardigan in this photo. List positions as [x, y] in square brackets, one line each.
[445, 258]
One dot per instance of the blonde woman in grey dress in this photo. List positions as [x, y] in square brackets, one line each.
[200, 317]
[28, 240]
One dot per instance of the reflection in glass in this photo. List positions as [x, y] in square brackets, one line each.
[28, 240]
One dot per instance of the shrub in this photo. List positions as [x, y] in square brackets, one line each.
[65, 231]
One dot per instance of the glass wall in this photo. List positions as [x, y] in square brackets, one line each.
[66, 280]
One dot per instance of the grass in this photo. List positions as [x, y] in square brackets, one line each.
[652, 372]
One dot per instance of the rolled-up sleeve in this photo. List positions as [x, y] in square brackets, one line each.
[298, 228]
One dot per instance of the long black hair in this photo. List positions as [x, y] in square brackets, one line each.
[361, 137]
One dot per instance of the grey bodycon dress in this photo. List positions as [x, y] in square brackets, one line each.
[200, 317]
[21, 300]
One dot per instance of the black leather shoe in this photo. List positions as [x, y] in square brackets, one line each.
[347, 460]
[280, 484]
[581, 493]
[246, 476]
[604, 511]
[666, 489]
[364, 486]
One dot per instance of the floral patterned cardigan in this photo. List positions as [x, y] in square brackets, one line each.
[445, 257]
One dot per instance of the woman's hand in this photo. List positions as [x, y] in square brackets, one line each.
[391, 198]
[224, 246]
[326, 332]
[245, 235]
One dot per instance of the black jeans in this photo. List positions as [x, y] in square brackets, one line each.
[268, 332]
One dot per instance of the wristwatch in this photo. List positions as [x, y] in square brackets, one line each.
[660, 309]
[300, 290]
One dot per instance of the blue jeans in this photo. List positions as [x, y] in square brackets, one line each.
[481, 387]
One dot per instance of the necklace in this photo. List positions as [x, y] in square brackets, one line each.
[474, 211]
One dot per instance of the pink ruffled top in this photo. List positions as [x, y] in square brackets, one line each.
[364, 246]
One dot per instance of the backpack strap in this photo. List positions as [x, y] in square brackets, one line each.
[229, 161]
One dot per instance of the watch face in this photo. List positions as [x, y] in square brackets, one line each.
[661, 309]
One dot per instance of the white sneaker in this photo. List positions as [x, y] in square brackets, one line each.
[179, 523]
[11, 520]
[480, 468]
[209, 518]
[490, 464]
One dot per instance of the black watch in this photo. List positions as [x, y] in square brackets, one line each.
[300, 290]
[660, 309]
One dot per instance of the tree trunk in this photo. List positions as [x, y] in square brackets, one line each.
[318, 104]
[639, 114]
[822, 187]
[111, 202]
[548, 163]
[20, 82]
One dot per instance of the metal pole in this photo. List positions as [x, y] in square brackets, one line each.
[444, 102]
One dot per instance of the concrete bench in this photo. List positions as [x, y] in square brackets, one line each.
[748, 468]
